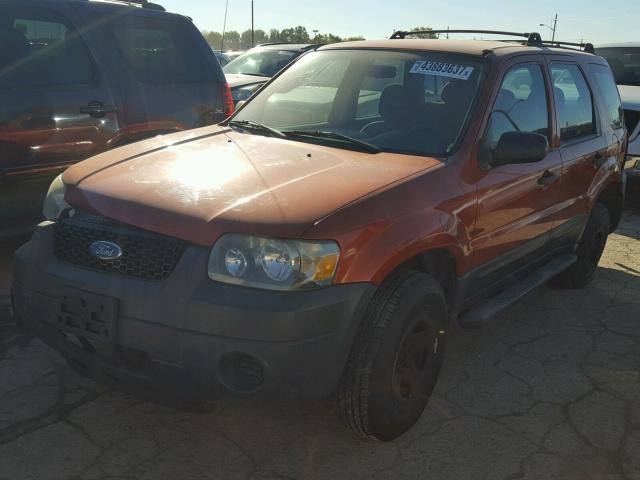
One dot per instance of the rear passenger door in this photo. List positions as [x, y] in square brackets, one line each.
[516, 203]
[582, 145]
[611, 112]
[49, 81]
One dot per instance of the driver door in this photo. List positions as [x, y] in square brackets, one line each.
[517, 204]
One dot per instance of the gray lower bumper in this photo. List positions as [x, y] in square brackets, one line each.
[189, 336]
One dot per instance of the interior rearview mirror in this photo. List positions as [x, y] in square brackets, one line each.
[520, 147]
[382, 71]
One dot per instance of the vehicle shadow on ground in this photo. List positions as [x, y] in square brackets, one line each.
[630, 225]
[544, 388]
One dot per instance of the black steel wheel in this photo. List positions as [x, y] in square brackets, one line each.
[590, 249]
[396, 357]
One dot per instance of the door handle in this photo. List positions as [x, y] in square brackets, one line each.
[598, 160]
[547, 178]
[97, 109]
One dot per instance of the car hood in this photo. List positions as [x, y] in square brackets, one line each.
[237, 80]
[630, 95]
[201, 184]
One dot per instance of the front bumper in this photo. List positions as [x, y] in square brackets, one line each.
[187, 338]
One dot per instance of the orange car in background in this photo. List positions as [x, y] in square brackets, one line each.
[322, 240]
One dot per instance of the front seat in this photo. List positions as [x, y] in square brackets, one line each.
[399, 106]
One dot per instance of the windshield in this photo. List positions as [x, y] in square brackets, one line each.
[624, 63]
[260, 62]
[402, 102]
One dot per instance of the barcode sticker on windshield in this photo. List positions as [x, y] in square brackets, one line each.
[442, 69]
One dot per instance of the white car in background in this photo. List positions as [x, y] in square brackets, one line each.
[624, 59]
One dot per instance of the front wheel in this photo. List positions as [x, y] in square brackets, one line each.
[590, 249]
[396, 357]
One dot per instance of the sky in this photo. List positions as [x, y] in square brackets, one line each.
[596, 21]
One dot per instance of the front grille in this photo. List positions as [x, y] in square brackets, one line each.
[631, 118]
[146, 255]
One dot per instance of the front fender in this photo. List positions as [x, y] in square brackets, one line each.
[376, 252]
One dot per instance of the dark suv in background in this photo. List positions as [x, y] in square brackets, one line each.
[78, 77]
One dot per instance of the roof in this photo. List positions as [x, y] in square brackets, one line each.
[466, 47]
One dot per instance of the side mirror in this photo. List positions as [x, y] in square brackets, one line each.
[240, 104]
[520, 147]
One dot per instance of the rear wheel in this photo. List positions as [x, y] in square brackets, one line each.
[396, 357]
[590, 248]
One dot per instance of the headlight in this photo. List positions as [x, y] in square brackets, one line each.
[54, 203]
[241, 94]
[273, 264]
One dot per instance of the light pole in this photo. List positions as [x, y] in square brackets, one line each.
[224, 26]
[253, 34]
[553, 29]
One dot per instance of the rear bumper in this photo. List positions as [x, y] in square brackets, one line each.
[187, 337]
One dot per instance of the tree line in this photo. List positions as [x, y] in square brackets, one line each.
[242, 41]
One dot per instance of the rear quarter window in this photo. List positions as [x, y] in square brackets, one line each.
[163, 50]
[608, 90]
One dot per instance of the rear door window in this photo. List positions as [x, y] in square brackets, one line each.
[163, 51]
[40, 48]
[574, 103]
[609, 92]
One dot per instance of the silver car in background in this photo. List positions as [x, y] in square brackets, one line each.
[624, 59]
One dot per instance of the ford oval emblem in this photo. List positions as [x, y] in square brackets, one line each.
[104, 250]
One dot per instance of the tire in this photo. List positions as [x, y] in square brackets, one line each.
[590, 248]
[396, 357]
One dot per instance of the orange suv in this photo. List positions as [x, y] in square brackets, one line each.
[322, 240]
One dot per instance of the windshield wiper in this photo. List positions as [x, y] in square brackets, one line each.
[362, 145]
[257, 126]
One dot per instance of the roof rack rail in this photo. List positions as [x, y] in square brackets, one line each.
[585, 47]
[533, 38]
[582, 47]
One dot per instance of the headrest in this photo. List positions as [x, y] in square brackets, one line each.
[456, 91]
[398, 101]
[506, 99]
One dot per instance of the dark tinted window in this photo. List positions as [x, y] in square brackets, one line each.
[609, 92]
[521, 104]
[163, 51]
[39, 48]
[624, 62]
[574, 105]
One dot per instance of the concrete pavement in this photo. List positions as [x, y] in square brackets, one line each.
[550, 390]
